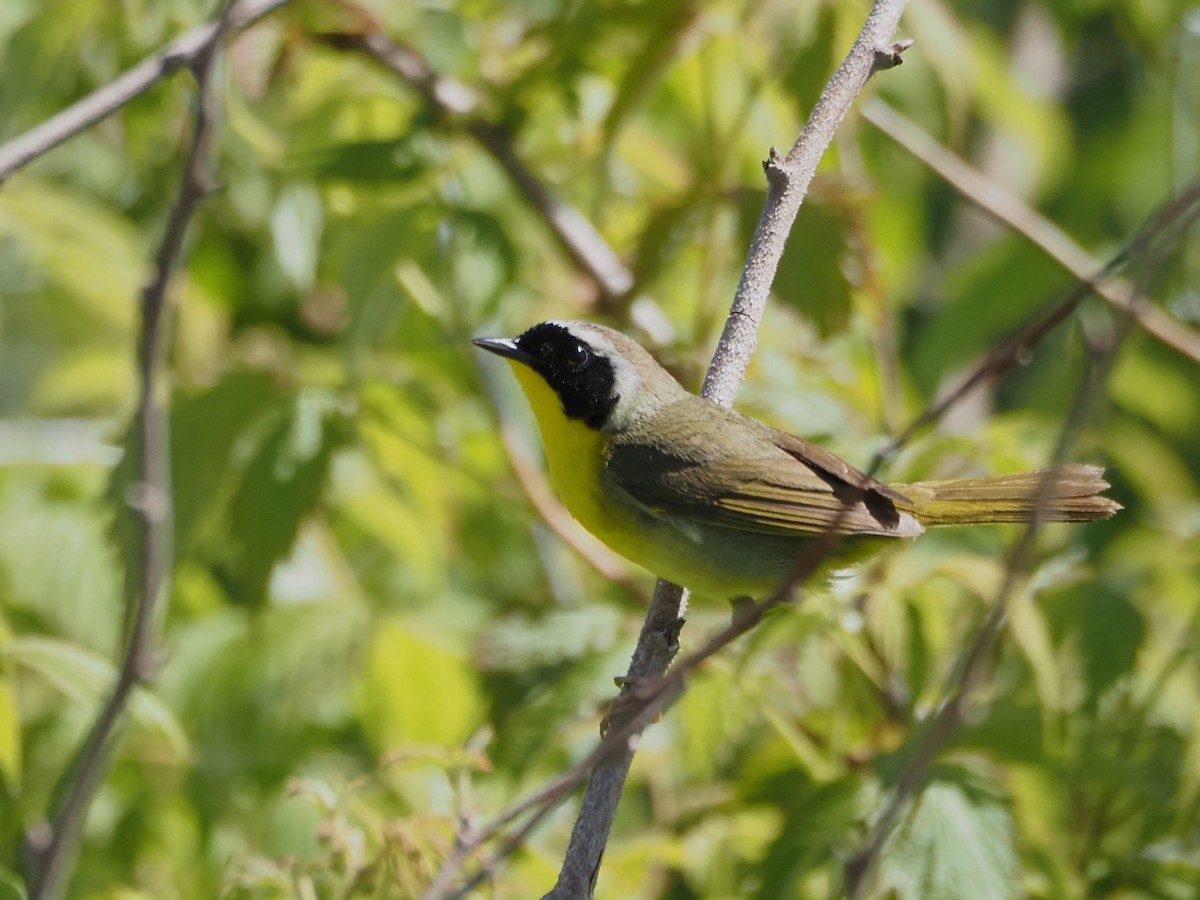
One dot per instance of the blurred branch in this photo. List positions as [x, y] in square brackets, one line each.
[787, 182]
[456, 103]
[1149, 248]
[52, 846]
[1165, 226]
[1010, 210]
[183, 52]
[971, 667]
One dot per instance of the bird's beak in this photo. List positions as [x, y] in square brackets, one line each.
[506, 347]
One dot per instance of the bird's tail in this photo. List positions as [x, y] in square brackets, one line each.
[1072, 494]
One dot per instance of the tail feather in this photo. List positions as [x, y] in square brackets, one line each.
[1073, 494]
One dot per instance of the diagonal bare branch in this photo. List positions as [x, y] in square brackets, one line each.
[1010, 210]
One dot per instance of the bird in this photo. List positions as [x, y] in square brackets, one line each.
[721, 503]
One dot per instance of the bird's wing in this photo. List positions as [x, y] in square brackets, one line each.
[727, 470]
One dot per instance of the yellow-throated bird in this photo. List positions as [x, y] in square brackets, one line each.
[716, 501]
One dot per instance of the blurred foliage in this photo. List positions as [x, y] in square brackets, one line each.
[371, 635]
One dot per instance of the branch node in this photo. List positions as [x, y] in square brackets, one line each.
[170, 61]
[890, 56]
[630, 703]
[38, 837]
[775, 168]
[671, 635]
[149, 500]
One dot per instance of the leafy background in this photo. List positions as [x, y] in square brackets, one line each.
[370, 631]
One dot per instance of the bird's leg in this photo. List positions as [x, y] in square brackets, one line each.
[634, 688]
[745, 612]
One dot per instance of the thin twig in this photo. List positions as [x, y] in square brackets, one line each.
[456, 103]
[150, 498]
[788, 179]
[1009, 209]
[183, 52]
[970, 669]
[1172, 219]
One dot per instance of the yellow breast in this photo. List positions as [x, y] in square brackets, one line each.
[575, 454]
[725, 564]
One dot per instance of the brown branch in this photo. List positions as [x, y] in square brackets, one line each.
[456, 103]
[1008, 209]
[52, 846]
[183, 52]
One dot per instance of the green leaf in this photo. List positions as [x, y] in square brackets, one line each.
[10, 736]
[417, 691]
[1154, 387]
[518, 643]
[984, 298]
[85, 677]
[280, 487]
[206, 430]
[823, 262]
[55, 564]
[1111, 635]
[371, 162]
[957, 841]
[818, 818]
[89, 251]
[12, 886]
[1029, 629]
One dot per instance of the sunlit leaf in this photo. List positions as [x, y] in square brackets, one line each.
[10, 735]
[415, 690]
[12, 886]
[296, 225]
[281, 485]
[83, 677]
[55, 563]
[957, 841]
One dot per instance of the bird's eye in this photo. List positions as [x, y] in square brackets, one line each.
[577, 356]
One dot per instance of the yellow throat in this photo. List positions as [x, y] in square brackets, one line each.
[575, 453]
